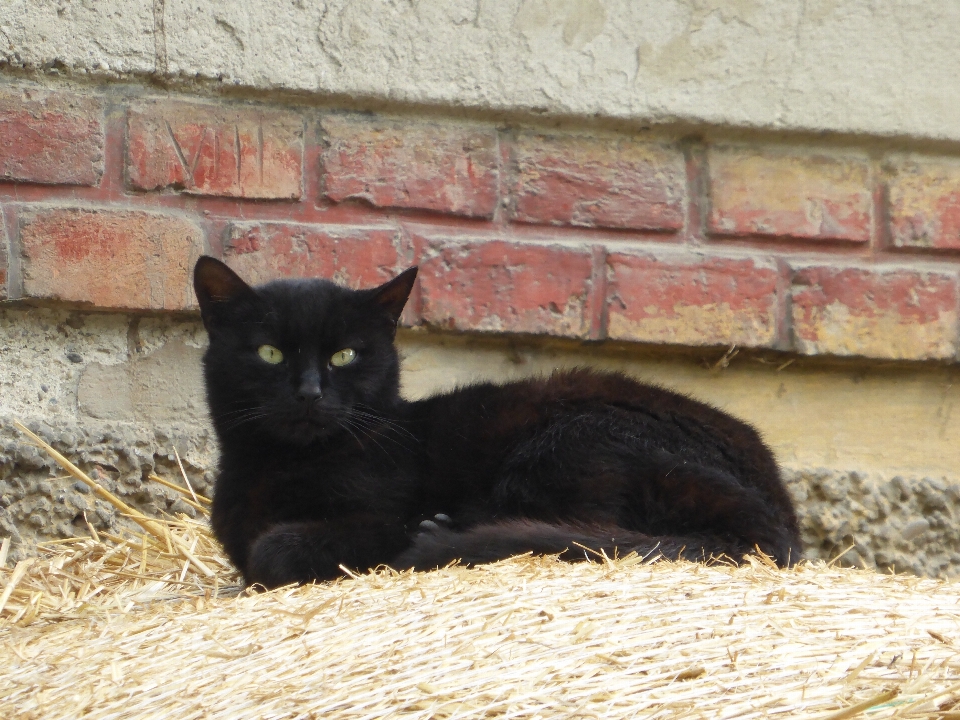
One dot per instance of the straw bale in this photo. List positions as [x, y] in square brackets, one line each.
[129, 627]
[529, 637]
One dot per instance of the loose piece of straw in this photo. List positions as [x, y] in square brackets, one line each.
[148, 524]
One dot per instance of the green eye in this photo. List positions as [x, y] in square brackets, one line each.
[268, 353]
[344, 357]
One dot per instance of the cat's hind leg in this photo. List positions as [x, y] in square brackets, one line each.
[688, 498]
[589, 469]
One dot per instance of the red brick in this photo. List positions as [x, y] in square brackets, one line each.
[215, 150]
[924, 203]
[356, 257]
[109, 258]
[499, 286]
[882, 313]
[571, 180]
[692, 300]
[48, 137]
[425, 166]
[790, 194]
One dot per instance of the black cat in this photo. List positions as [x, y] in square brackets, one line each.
[324, 465]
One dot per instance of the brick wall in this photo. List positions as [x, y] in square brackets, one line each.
[820, 249]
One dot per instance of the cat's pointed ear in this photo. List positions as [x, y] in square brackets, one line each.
[392, 296]
[215, 285]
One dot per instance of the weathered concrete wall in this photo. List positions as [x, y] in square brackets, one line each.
[857, 66]
[119, 395]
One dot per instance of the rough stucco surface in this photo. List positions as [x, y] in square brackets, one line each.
[855, 66]
[122, 395]
[119, 395]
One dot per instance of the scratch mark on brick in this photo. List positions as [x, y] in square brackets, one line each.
[238, 151]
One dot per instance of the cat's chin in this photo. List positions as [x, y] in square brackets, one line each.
[303, 432]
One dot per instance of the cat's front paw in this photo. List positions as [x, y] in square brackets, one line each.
[283, 556]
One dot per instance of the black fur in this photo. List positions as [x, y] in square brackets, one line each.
[324, 466]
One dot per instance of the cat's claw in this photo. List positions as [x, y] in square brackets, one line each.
[440, 521]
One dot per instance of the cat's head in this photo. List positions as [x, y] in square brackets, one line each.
[299, 360]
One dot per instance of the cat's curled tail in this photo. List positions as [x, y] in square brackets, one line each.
[439, 546]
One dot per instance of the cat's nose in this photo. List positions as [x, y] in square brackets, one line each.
[309, 389]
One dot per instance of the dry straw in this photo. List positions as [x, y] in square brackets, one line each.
[131, 627]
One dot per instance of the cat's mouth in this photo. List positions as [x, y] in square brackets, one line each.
[304, 424]
[307, 431]
[311, 427]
